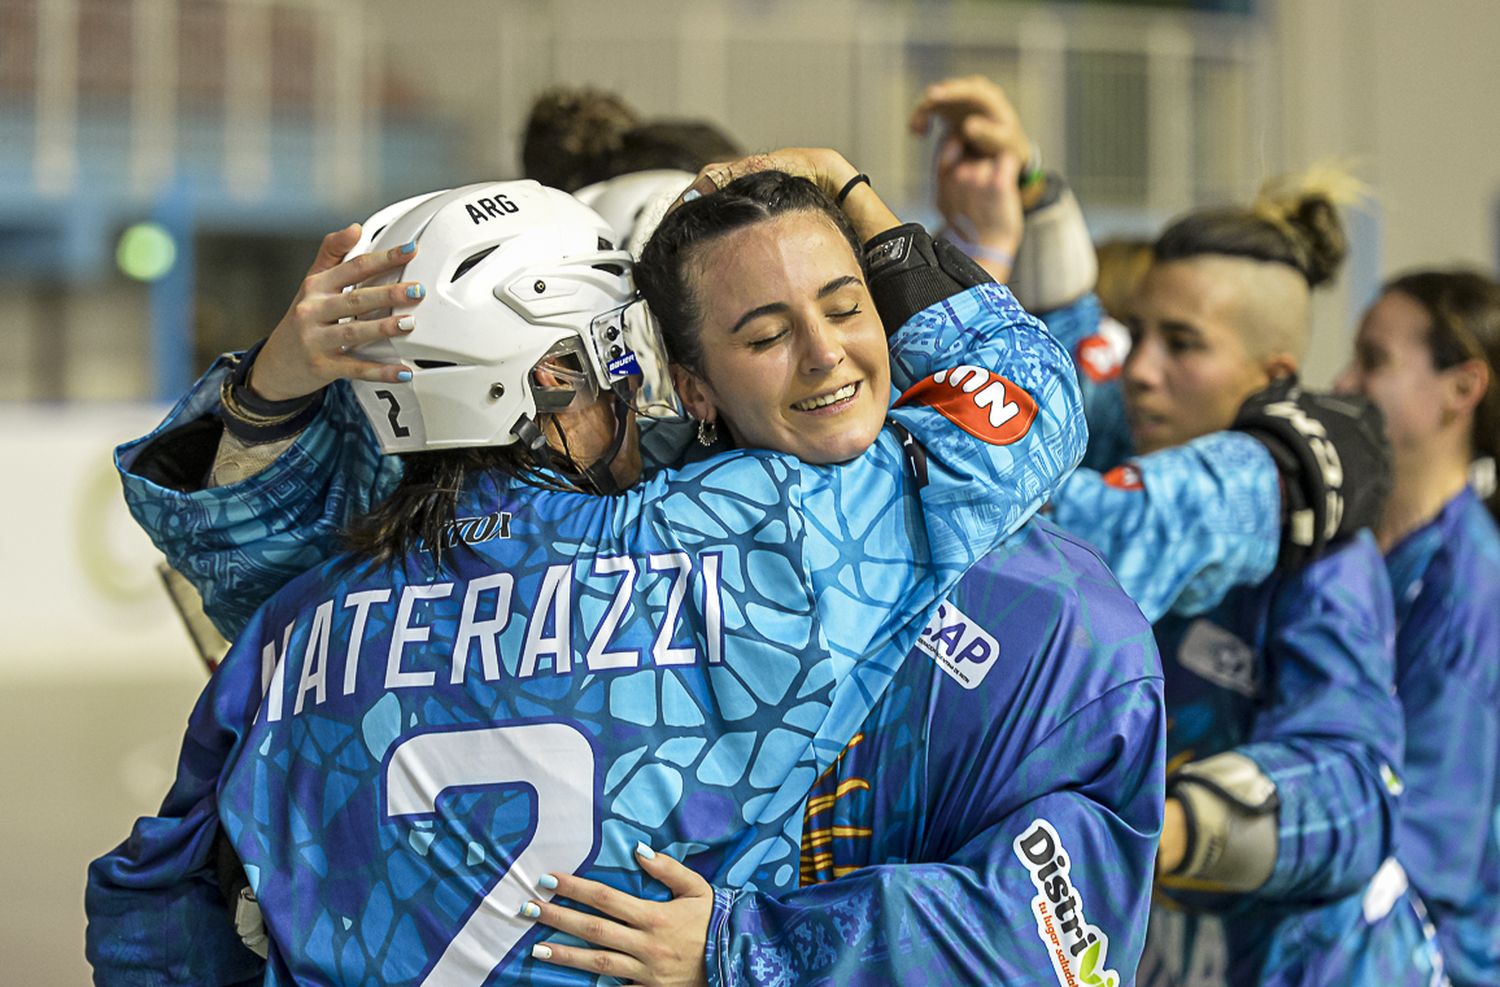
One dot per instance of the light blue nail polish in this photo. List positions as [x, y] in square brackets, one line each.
[530, 910]
[415, 291]
[645, 852]
[409, 247]
[691, 194]
[547, 881]
[404, 376]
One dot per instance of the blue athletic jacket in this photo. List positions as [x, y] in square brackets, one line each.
[1446, 578]
[995, 819]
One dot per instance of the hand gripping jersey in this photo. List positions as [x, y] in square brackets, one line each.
[397, 754]
[1446, 579]
[1296, 674]
[995, 819]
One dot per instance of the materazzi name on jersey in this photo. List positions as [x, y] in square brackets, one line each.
[487, 612]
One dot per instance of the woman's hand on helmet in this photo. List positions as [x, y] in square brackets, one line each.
[823, 166]
[315, 343]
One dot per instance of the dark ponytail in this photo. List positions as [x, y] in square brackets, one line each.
[662, 272]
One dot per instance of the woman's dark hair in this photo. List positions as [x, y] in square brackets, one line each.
[1464, 308]
[662, 272]
[1294, 221]
[686, 145]
[420, 513]
[572, 135]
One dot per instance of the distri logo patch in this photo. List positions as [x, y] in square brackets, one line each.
[1079, 951]
[979, 401]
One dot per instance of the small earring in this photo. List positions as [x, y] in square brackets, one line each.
[708, 432]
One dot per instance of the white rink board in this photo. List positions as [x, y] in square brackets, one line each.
[80, 593]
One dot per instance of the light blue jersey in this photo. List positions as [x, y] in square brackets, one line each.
[398, 753]
[1446, 578]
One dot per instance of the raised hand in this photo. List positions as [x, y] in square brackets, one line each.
[314, 343]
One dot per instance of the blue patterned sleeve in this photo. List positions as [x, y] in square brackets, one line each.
[241, 542]
[1182, 526]
[1331, 736]
[1098, 345]
[156, 916]
[990, 899]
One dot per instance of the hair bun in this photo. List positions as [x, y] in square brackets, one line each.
[1305, 206]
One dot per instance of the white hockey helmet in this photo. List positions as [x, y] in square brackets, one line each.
[516, 275]
[634, 203]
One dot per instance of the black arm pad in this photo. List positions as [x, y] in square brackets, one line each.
[1334, 461]
[910, 271]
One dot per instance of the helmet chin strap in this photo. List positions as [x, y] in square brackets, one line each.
[595, 477]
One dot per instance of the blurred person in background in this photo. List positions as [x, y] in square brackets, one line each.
[578, 136]
[1123, 264]
[1280, 713]
[1428, 352]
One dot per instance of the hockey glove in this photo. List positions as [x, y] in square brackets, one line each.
[1334, 461]
[910, 271]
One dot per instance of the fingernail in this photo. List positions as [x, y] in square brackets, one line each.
[645, 852]
[415, 291]
[531, 910]
[691, 194]
[541, 951]
[404, 376]
[410, 247]
[406, 323]
[547, 881]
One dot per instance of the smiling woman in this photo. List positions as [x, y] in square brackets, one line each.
[761, 295]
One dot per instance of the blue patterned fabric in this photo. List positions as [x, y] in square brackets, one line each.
[1029, 718]
[1446, 579]
[691, 655]
[1182, 526]
[1082, 328]
[1298, 674]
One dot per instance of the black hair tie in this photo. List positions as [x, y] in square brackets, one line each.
[849, 187]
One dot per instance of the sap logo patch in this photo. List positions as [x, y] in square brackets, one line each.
[1079, 951]
[1213, 653]
[979, 401]
[959, 645]
[1125, 477]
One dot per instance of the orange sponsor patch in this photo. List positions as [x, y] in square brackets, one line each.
[979, 401]
[1125, 477]
[1098, 360]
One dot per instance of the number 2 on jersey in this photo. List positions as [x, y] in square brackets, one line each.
[557, 761]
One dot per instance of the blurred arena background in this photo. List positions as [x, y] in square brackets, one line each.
[168, 166]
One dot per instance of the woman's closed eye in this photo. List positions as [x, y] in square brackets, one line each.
[769, 339]
[846, 313]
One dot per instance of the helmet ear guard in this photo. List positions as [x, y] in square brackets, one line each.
[518, 278]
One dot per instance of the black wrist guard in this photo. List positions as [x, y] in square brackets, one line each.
[250, 417]
[910, 271]
[1334, 461]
